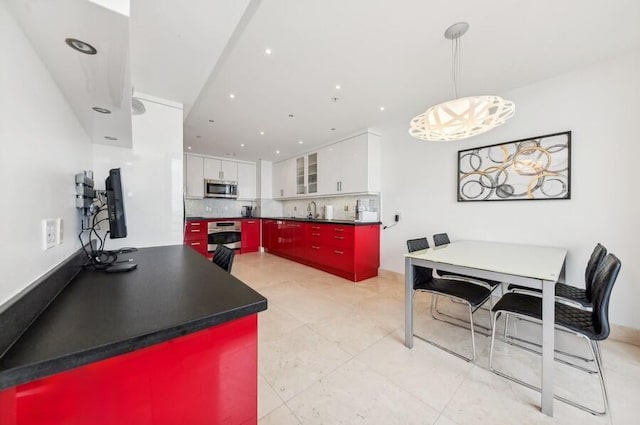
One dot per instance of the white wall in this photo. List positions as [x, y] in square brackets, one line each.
[599, 104]
[42, 147]
[151, 173]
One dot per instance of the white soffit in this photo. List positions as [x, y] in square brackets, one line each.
[176, 44]
[87, 81]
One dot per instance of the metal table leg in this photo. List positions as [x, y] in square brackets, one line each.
[408, 302]
[548, 321]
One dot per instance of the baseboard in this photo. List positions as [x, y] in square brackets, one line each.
[619, 333]
[625, 334]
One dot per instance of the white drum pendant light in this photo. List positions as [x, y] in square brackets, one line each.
[461, 117]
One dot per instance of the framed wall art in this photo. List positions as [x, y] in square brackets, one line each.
[527, 169]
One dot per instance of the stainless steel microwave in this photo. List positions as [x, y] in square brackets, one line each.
[220, 189]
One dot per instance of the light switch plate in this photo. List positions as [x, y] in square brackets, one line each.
[49, 231]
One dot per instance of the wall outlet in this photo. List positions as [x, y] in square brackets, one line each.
[397, 217]
[346, 207]
[49, 231]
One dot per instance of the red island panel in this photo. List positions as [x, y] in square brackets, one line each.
[207, 377]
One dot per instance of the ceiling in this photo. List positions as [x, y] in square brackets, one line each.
[382, 53]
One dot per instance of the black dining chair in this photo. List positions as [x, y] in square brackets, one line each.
[223, 257]
[473, 296]
[592, 325]
[569, 293]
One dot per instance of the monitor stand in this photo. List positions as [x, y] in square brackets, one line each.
[121, 267]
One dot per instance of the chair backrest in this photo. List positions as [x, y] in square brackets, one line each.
[223, 257]
[441, 239]
[420, 274]
[598, 254]
[602, 285]
[417, 244]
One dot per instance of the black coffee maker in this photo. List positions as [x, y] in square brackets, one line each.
[247, 211]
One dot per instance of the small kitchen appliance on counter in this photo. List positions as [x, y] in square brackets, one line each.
[247, 211]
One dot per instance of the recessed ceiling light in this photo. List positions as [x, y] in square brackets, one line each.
[101, 110]
[211, 121]
[267, 51]
[290, 115]
[338, 87]
[333, 129]
[382, 109]
[189, 147]
[278, 152]
[262, 133]
[242, 145]
[198, 137]
[300, 141]
[81, 46]
[110, 138]
[232, 96]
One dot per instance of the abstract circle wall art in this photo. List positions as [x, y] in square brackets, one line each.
[527, 169]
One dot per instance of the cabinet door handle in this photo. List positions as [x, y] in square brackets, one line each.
[194, 243]
[195, 224]
[339, 237]
[338, 252]
[337, 229]
[315, 227]
[315, 247]
[251, 222]
[337, 186]
[315, 234]
[195, 230]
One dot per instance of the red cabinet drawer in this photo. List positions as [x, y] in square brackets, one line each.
[199, 246]
[195, 230]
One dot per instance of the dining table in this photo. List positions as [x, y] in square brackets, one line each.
[528, 265]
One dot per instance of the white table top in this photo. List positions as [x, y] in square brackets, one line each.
[538, 262]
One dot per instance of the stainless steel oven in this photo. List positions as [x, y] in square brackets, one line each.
[225, 233]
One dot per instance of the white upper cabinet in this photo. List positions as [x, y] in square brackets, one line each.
[194, 177]
[217, 169]
[347, 167]
[350, 166]
[198, 168]
[246, 181]
[284, 179]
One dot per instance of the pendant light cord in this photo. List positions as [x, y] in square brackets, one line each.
[456, 53]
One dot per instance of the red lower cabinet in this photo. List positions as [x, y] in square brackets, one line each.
[250, 236]
[349, 251]
[207, 377]
[195, 236]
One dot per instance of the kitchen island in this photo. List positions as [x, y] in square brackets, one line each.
[174, 341]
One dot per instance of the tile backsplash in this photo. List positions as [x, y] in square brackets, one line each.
[215, 207]
[344, 207]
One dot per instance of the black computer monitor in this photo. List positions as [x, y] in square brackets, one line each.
[115, 205]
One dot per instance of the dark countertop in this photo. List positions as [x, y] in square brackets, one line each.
[218, 218]
[173, 292]
[323, 221]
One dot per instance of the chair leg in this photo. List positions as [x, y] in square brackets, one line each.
[595, 351]
[493, 337]
[473, 337]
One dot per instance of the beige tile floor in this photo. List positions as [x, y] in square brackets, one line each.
[331, 352]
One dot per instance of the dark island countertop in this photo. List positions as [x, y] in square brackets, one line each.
[173, 292]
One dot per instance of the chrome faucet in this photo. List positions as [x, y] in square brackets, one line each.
[315, 209]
